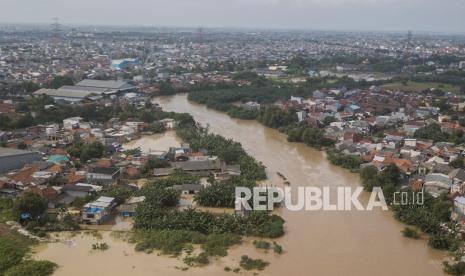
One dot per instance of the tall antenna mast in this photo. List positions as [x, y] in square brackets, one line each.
[409, 39]
[56, 30]
[200, 34]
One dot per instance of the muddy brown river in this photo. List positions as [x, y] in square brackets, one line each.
[316, 242]
[320, 242]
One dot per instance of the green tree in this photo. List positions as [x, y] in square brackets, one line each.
[30, 86]
[59, 81]
[370, 178]
[431, 131]
[5, 121]
[391, 174]
[312, 136]
[154, 163]
[24, 121]
[457, 162]
[457, 137]
[94, 150]
[30, 203]
[120, 192]
[328, 120]
[156, 127]
[22, 146]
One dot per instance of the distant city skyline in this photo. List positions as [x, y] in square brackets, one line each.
[446, 16]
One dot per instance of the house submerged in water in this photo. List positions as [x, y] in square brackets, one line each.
[98, 211]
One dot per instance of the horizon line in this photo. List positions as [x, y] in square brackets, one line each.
[256, 28]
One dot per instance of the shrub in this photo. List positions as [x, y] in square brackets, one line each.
[249, 263]
[410, 233]
[261, 244]
[31, 267]
[278, 249]
[200, 260]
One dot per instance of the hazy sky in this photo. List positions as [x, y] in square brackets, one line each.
[386, 15]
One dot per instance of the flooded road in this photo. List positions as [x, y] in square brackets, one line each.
[320, 242]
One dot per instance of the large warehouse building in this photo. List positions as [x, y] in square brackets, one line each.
[87, 89]
[13, 159]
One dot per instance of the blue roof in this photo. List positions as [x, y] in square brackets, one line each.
[25, 215]
[93, 209]
[58, 158]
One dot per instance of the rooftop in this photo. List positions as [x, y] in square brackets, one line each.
[65, 93]
[11, 152]
[111, 84]
[104, 170]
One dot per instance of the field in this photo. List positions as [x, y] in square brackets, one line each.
[420, 86]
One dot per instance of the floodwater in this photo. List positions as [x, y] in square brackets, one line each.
[316, 242]
[155, 143]
[75, 257]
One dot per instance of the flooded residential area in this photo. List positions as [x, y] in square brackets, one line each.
[361, 242]
[255, 138]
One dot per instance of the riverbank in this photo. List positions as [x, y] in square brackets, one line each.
[360, 243]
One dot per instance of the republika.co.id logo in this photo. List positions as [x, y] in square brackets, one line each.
[318, 198]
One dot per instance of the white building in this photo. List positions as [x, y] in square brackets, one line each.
[301, 115]
[462, 65]
[297, 99]
[410, 142]
[98, 211]
[437, 183]
[51, 130]
[72, 123]
[459, 206]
